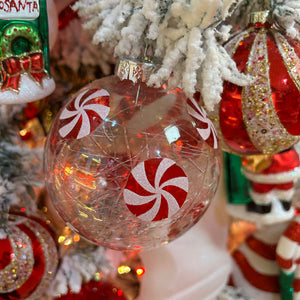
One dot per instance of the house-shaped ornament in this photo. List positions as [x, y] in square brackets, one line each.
[24, 51]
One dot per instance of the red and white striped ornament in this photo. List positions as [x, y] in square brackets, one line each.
[84, 114]
[288, 254]
[28, 258]
[263, 116]
[276, 180]
[205, 127]
[255, 269]
[156, 189]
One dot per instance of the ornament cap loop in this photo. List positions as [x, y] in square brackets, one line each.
[134, 70]
[261, 17]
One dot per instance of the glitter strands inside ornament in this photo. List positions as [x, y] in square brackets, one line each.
[28, 259]
[264, 116]
[141, 176]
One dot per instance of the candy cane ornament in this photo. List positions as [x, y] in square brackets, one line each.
[156, 189]
[84, 114]
[287, 256]
[205, 126]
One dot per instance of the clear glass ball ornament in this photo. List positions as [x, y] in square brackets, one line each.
[125, 165]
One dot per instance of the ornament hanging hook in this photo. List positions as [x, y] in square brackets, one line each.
[147, 58]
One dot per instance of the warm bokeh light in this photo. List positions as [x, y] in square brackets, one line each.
[68, 237]
[124, 269]
[140, 271]
[23, 132]
[61, 239]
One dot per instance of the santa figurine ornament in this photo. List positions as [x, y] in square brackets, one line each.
[271, 180]
[265, 264]
[275, 179]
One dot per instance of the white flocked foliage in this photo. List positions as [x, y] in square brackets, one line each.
[77, 267]
[186, 36]
[285, 13]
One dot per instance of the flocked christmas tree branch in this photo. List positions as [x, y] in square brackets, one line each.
[77, 266]
[73, 48]
[20, 172]
[186, 36]
[285, 13]
[20, 168]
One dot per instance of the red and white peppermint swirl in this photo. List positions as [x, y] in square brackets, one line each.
[84, 113]
[156, 189]
[205, 127]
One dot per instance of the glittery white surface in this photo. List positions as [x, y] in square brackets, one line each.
[260, 117]
[29, 91]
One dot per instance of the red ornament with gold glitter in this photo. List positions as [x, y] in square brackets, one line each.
[28, 258]
[264, 116]
[126, 165]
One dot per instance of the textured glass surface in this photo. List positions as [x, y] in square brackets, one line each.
[145, 127]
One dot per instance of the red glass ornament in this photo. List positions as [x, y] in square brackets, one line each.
[28, 259]
[94, 290]
[31, 110]
[66, 16]
[263, 117]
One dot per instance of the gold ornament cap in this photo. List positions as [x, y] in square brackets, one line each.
[134, 70]
[259, 17]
